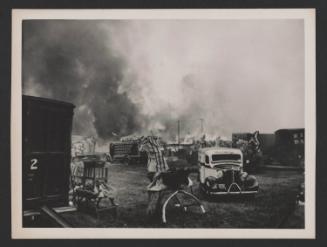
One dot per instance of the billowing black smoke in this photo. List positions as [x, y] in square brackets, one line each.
[72, 61]
[146, 76]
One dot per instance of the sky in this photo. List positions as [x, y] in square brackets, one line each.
[142, 76]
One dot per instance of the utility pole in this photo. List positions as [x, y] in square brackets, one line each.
[201, 122]
[178, 132]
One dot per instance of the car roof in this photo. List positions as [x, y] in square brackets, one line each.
[220, 150]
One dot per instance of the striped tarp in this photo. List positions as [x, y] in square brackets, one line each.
[156, 159]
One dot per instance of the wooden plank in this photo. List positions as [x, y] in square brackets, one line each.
[65, 209]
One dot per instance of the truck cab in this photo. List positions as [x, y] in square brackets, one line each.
[221, 172]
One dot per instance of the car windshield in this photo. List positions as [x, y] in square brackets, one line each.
[231, 157]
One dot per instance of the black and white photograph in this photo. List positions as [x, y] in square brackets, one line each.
[164, 121]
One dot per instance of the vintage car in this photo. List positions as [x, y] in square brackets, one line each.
[221, 172]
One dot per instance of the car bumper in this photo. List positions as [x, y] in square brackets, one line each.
[240, 191]
[231, 192]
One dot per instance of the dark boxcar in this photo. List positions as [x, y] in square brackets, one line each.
[289, 148]
[120, 150]
[47, 126]
[267, 142]
[127, 152]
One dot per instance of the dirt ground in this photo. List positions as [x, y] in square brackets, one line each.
[272, 207]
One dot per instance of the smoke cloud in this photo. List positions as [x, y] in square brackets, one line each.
[72, 61]
[143, 76]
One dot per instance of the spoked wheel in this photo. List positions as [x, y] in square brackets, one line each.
[178, 205]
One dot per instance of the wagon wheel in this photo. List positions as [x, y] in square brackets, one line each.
[180, 203]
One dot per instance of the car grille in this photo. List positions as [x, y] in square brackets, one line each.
[231, 176]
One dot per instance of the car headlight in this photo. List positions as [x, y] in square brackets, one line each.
[220, 174]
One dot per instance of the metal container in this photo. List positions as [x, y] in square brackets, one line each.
[47, 126]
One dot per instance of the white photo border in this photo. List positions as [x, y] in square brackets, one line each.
[18, 232]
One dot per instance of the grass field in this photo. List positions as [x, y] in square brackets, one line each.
[272, 207]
